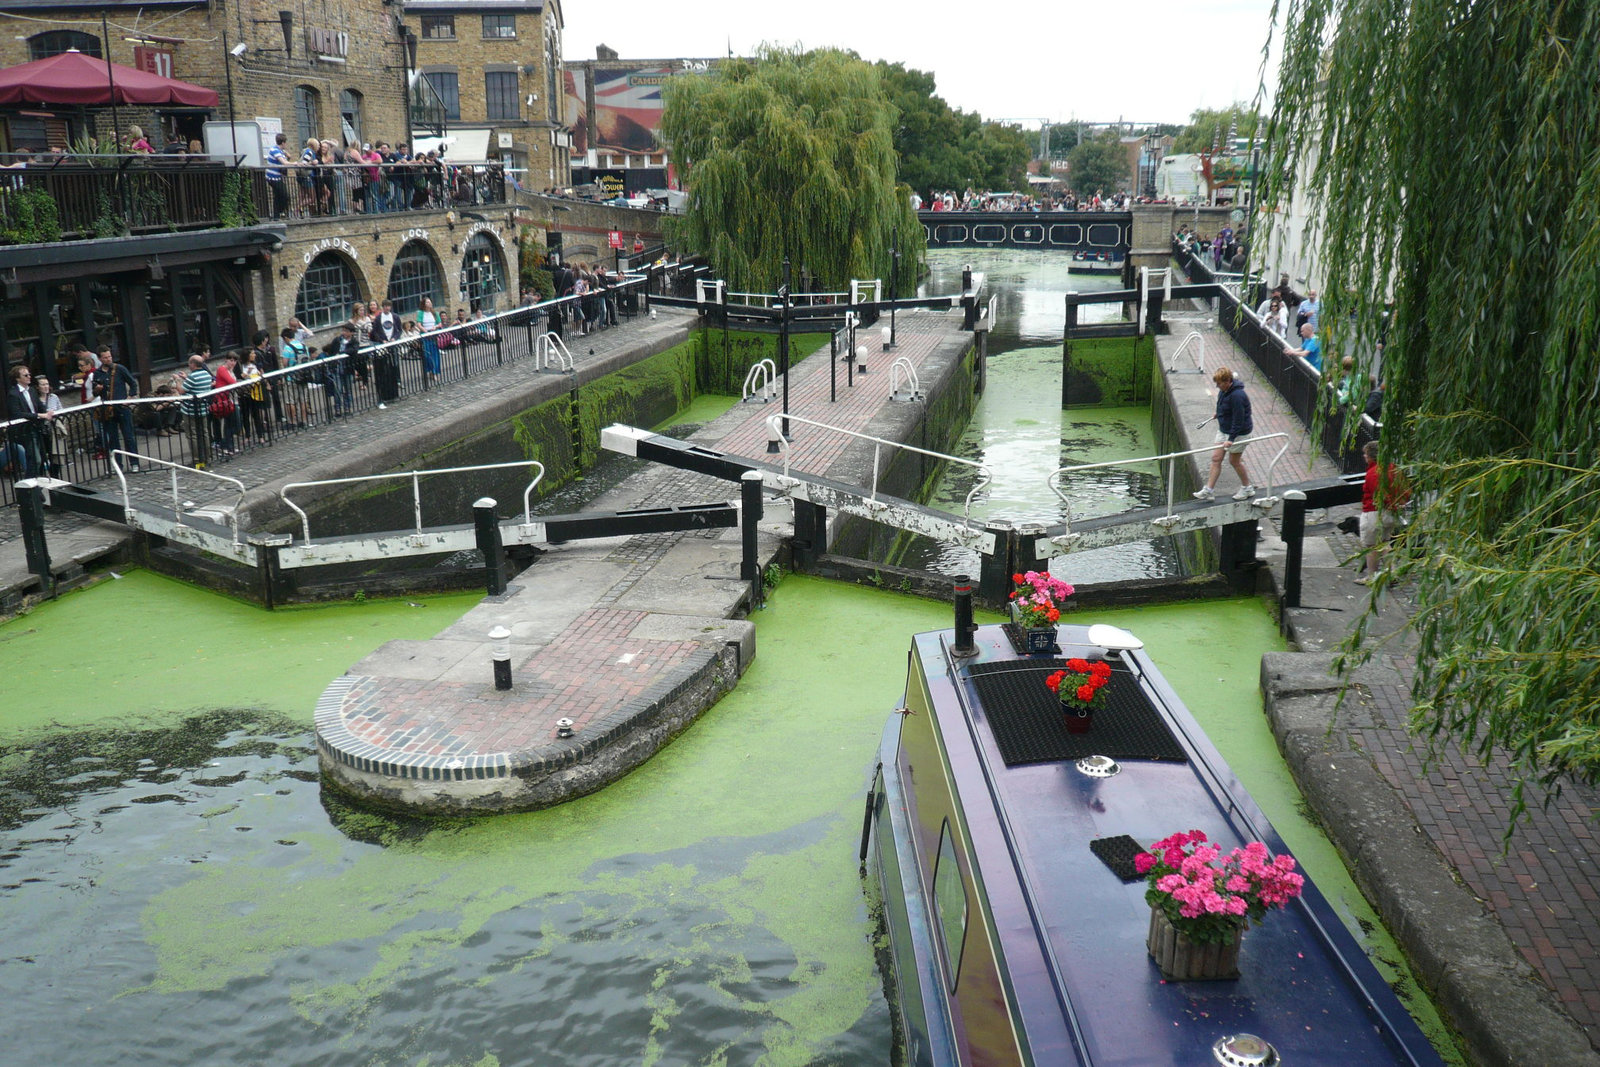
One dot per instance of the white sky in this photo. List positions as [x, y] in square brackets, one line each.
[1151, 61]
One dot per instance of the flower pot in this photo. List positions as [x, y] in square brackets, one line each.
[1189, 961]
[1079, 718]
[1038, 638]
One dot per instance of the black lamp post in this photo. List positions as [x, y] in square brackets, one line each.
[227, 67]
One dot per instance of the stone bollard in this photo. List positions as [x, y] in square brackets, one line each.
[500, 653]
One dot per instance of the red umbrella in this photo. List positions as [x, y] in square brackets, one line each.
[75, 78]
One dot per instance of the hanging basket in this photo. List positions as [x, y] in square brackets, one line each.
[1188, 961]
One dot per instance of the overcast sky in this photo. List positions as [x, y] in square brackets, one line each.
[1152, 61]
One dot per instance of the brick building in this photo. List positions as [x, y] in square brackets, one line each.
[496, 67]
[146, 259]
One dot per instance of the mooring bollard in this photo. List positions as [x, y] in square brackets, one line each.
[500, 653]
[861, 359]
[964, 645]
[30, 511]
[749, 516]
[487, 529]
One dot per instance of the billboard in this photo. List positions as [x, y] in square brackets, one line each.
[618, 109]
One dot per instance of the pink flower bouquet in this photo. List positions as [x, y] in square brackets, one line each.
[1209, 895]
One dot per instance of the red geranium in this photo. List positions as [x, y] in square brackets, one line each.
[1082, 683]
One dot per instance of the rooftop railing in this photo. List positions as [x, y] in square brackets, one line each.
[59, 197]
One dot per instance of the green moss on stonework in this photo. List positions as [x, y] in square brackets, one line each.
[1109, 371]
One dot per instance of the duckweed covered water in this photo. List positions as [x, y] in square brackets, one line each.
[177, 889]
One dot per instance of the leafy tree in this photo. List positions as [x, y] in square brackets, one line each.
[1490, 251]
[790, 155]
[1098, 165]
[941, 148]
[1207, 128]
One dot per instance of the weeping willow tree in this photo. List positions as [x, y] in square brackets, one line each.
[790, 155]
[1452, 152]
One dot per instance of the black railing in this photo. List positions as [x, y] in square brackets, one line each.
[199, 430]
[1304, 389]
[75, 198]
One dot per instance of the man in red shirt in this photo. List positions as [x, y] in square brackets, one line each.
[1378, 524]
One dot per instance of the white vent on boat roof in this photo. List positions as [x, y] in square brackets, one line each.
[1098, 766]
[1113, 638]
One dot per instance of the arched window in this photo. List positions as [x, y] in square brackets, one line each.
[483, 272]
[305, 114]
[415, 275]
[54, 42]
[327, 292]
[350, 116]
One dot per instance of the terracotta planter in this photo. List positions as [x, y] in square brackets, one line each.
[1188, 961]
[1079, 718]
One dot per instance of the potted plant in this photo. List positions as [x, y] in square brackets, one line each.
[1036, 601]
[1081, 688]
[1201, 899]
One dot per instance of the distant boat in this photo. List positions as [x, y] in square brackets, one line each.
[1013, 941]
[1094, 263]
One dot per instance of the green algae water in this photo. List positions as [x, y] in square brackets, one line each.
[176, 889]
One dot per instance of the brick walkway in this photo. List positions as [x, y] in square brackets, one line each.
[1544, 890]
[603, 664]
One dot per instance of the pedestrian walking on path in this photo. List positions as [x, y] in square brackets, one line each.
[1233, 422]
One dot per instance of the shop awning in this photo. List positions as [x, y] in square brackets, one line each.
[73, 78]
[459, 146]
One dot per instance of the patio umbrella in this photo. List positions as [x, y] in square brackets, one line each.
[73, 78]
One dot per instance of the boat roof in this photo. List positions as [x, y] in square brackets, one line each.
[1073, 932]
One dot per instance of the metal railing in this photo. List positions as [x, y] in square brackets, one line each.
[760, 382]
[1263, 500]
[775, 432]
[99, 196]
[180, 506]
[551, 352]
[180, 428]
[1199, 357]
[900, 371]
[416, 477]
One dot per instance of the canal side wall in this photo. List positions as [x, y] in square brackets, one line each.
[1108, 371]
[562, 431]
[936, 423]
[1198, 551]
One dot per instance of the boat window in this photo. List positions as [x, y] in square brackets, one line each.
[950, 901]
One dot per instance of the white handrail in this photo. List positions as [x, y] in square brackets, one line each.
[775, 432]
[1171, 459]
[416, 489]
[177, 503]
[1200, 352]
[902, 368]
[762, 378]
[549, 349]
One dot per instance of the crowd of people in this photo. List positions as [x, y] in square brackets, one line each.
[949, 200]
[369, 178]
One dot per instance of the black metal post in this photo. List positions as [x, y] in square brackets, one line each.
[810, 534]
[964, 645]
[1293, 532]
[833, 367]
[994, 570]
[30, 509]
[269, 574]
[487, 530]
[894, 282]
[783, 346]
[749, 518]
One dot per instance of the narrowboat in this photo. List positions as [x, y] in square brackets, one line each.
[1017, 933]
[1094, 263]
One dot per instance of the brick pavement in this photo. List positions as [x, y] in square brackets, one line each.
[593, 659]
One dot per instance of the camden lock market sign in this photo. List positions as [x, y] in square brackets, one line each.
[330, 244]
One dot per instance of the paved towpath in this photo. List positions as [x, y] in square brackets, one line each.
[1523, 918]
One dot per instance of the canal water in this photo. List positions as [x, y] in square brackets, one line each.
[176, 888]
[1020, 434]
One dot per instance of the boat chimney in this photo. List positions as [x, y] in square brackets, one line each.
[964, 645]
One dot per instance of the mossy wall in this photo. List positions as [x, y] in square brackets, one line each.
[1197, 550]
[562, 433]
[1109, 371]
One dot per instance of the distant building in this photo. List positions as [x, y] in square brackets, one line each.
[495, 68]
[613, 107]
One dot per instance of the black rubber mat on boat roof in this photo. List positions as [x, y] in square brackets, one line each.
[1029, 727]
[1117, 853]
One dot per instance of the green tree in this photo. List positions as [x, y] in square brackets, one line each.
[790, 155]
[1098, 165]
[999, 156]
[941, 148]
[1490, 250]
[1207, 128]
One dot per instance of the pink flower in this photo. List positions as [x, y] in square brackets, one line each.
[1143, 862]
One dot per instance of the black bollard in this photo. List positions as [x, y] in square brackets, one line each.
[30, 511]
[964, 645]
[500, 653]
[1293, 532]
[749, 517]
[487, 529]
[994, 569]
